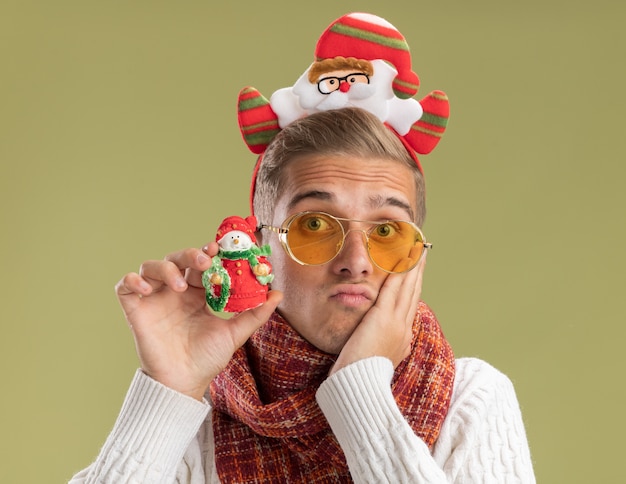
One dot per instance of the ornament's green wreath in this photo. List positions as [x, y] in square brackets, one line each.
[217, 303]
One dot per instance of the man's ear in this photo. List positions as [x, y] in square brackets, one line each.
[259, 237]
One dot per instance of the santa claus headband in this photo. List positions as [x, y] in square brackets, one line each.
[361, 60]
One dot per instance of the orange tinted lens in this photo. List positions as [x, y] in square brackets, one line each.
[395, 246]
[314, 238]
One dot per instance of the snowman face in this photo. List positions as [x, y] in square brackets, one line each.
[235, 240]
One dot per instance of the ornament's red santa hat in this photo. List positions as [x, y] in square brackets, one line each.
[246, 225]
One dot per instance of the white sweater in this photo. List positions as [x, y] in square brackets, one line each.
[165, 437]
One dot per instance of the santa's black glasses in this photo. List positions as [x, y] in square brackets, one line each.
[329, 84]
[315, 238]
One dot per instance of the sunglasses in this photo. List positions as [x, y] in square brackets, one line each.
[315, 238]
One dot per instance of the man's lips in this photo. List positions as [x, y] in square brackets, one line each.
[352, 294]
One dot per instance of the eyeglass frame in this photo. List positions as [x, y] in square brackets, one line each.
[283, 230]
[344, 78]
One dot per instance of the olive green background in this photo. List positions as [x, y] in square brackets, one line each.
[119, 143]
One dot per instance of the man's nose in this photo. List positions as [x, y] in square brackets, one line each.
[344, 86]
[354, 257]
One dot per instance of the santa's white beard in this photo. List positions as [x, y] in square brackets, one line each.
[365, 96]
[377, 97]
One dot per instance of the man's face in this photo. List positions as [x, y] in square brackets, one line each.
[326, 303]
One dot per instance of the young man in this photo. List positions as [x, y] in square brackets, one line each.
[343, 374]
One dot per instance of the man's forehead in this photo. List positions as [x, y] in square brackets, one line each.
[313, 169]
[376, 182]
[373, 201]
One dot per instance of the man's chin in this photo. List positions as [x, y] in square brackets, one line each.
[334, 327]
[340, 329]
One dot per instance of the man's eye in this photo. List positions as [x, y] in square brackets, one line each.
[385, 230]
[315, 223]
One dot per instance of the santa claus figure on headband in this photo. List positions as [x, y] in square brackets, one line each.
[347, 82]
[363, 61]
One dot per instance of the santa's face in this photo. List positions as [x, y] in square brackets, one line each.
[235, 240]
[348, 87]
[343, 81]
[326, 303]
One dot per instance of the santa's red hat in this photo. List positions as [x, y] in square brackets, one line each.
[246, 225]
[369, 37]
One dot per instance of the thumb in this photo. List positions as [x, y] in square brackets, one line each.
[246, 323]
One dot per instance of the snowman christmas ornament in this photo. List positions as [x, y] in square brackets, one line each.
[240, 272]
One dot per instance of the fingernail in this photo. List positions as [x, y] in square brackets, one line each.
[180, 282]
[202, 258]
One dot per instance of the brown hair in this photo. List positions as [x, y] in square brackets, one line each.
[341, 132]
[339, 64]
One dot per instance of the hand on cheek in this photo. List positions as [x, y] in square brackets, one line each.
[387, 328]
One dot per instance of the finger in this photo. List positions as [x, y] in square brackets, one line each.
[194, 276]
[415, 300]
[211, 249]
[411, 292]
[414, 276]
[409, 296]
[417, 295]
[190, 259]
[194, 262]
[246, 323]
[389, 294]
[400, 294]
[163, 272]
[177, 268]
[132, 283]
[405, 310]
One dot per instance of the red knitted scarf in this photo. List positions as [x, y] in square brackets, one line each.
[267, 425]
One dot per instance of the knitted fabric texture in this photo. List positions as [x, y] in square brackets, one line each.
[268, 426]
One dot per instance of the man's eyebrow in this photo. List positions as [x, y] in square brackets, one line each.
[378, 201]
[315, 194]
